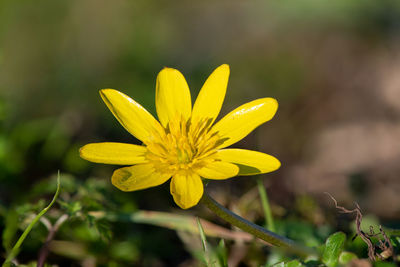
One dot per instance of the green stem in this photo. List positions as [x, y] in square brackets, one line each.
[265, 204]
[256, 230]
[21, 239]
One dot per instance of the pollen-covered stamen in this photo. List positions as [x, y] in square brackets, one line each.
[184, 145]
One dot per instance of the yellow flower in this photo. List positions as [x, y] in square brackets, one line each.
[184, 145]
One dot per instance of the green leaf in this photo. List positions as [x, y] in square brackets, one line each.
[222, 254]
[345, 257]
[71, 208]
[293, 263]
[333, 248]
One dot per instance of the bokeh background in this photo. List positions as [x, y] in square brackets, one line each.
[334, 67]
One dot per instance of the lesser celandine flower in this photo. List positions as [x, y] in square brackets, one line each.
[184, 145]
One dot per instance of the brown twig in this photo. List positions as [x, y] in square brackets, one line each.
[365, 237]
[386, 247]
[44, 251]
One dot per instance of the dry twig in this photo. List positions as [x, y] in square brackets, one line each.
[385, 246]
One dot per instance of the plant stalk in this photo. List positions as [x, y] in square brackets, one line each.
[271, 238]
[269, 221]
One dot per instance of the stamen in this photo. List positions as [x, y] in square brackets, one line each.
[183, 145]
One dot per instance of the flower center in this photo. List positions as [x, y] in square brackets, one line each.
[183, 145]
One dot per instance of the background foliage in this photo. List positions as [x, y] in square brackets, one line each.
[333, 67]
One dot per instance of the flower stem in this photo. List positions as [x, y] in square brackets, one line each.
[269, 221]
[270, 237]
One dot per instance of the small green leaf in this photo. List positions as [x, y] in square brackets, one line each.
[71, 208]
[293, 263]
[333, 248]
[222, 254]
[345, 257]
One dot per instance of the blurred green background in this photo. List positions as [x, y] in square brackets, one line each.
[333, 66]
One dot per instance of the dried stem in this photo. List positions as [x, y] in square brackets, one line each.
[44, 251]
[386, 246]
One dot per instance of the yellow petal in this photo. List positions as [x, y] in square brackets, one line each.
[241, 121]
[114, 153]
[250, 162]
[218, 170]
[138, 177]
[135, 119]
[187, 190]
[212, 94]
[172, 96]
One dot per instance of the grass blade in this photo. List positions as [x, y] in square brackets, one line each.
[13, 253]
